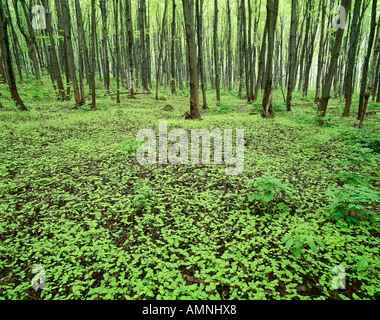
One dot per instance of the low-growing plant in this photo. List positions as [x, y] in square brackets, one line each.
[268, 188]
[223, 109]
[350, 203]
[142, 193]
[301, 235]
[130, 147]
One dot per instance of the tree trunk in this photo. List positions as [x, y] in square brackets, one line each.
[70, 52]
[272, 10]
[229, 51]
[292, 54]
[161, 48]
[93, 39]
[5, 52]
[367, 58]
[30, 37]
[354, 36]
[261, 61]
[320, 54]
[144, 75]
[117, 51]
[216, 58]
[106, 66]
[188, 12]
[326, 89]
[173, 50]
[199, 13]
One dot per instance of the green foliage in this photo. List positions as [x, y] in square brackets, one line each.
[362, 139]
[301, 235]
[223, 109]
[268, 188]
[105, 227]
[350, 203]
[141, 197]
[130, 147]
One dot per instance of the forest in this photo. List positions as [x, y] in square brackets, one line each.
[189, 150]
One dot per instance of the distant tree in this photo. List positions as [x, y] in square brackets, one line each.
[5, 52]
[70, 52]
[28, 33]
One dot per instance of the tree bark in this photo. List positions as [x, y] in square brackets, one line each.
[292, 54]
[161, 48]
[354, 36]
[130, 46]
[272, 10]
[173, 87]
[367, 58]
[326, 89]
[106, 67]
[320, 54]
[5, 52]
[70, 52]
[93, 39]
[144, 75]
[216, 58]
[188, 12]
[199, 13]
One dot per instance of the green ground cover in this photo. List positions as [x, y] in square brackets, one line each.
[74, 199]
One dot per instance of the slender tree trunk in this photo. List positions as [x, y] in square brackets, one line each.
[261, 62]
[161, 48]
[82, 39]
[53, 51]
[29, 36]
[199, 10]
[326, 89]
[130, 46]
[93, 39]
[229, 51]
[117, 51]
[16, 46]
[79, 45]
[320, 53]
[354, 36]
[188, 12]
[292, 54]
[272, 10]
[106, 65]
[5, 52]
[70, 52]
[173, 49]
[367, 58]
[216, 58]
[144, 75]
[309, 52]
[249, 55]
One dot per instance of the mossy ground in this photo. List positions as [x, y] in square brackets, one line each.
[74, 199]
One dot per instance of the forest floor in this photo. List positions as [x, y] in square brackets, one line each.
[74, 200]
